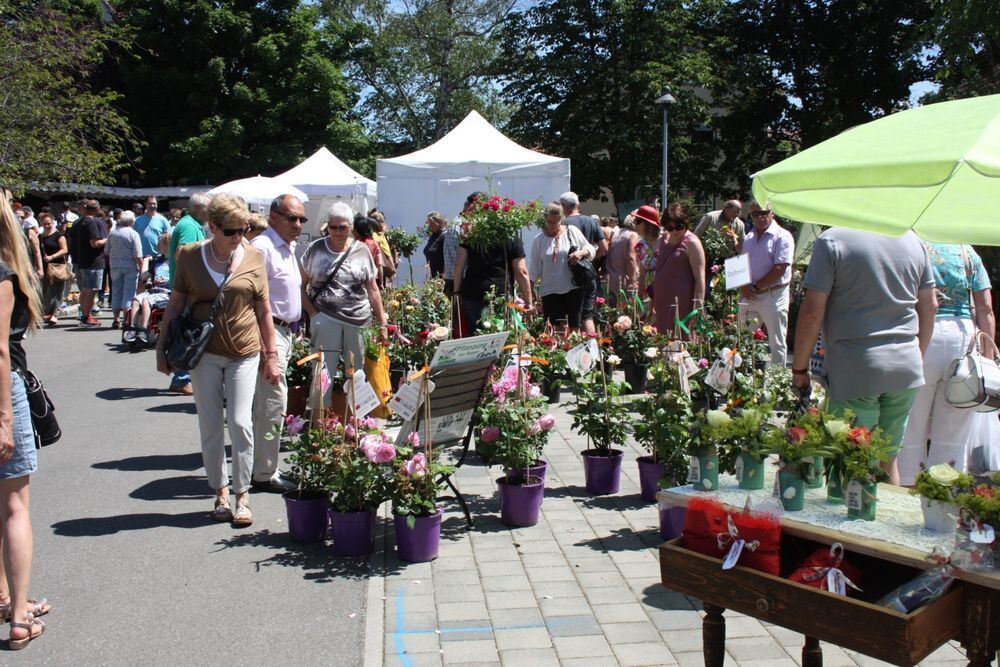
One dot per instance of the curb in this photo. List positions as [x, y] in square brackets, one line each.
[375, 606]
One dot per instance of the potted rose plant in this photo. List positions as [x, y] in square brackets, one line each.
[710, 433]
[982, 503]
[312, 452]
[797, 445]
[298, 377]
[606, 422]
[635, 344]
[749, 429]
[413, 489]
[938, 487]
[359, 473]
[864, 452]
[404, 243]
[551, 375]
[662, 430]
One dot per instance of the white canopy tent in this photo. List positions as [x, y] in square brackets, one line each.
[474, 156]
[326, 179]
[258, 191]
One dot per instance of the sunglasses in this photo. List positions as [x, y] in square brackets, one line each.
[340, 228]
[240, 231]
[759, 214]
[672, 228]
[293, 218]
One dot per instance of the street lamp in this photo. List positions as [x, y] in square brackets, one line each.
[666, 99]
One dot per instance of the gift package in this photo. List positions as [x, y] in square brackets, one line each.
[827, 570]
[751, 539]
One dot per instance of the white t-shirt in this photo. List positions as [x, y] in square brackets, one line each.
[553, 270]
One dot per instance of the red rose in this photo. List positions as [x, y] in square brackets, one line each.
[759, 334]
[860, 436]
[796, 435]
[985, 491]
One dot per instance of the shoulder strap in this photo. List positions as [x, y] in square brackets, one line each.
[968, 283]
[333, 274]
[218, 296]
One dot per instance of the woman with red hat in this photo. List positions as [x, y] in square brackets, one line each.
[647, 223]
[680, 271]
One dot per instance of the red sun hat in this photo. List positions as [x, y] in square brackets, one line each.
[648, 214]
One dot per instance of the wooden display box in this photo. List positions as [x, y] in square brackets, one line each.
[853, 623]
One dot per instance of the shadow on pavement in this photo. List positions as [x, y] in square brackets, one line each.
[109, 525]
[568, 491]
[616, 503]
[659, 597]
[186, 408]
[187, 487]
[316, 561]
[621, 539]
[125, 393]
[190, 461]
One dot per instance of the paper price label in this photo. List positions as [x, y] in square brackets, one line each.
[983, 535]
[365, 398]
[694, 470]
[408, 399]
[737, 271]
[720, 376]
[734, 554]
[854, 495]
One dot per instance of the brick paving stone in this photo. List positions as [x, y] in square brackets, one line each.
[471, 652]
[668, 600]
[682, 641]
[631, 612]
[468, 577]
[572, 625]
[590, 662]
[447, 563]
[946, 653]
[556, 573]
[754, 648]
[426, 620]
[518, 617]
[425, 642]
[609, 595]
[414, 660]
[639, 655]
[696, 659]
[513, 582]
[744, 627]
[531, 561]
[595, 565]
[509, 599]
[536, 657]
[599, 579]
[520, 638]
[538, 548]
[419, 603]
[462, 611]
[575, 553]
[675, 619]
[630, 633]
[462, 593]
[464, 631]
[644, 556]
[564, 607]
[496, 555]
[770, 662]
[556, 589]
[584, 646]
[502, 568]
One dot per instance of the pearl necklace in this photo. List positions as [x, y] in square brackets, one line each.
[211, 248]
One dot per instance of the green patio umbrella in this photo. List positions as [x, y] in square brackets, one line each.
[933, 169]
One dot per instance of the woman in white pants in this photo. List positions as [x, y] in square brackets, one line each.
[937, 432]
[340, 291]
[243, 339]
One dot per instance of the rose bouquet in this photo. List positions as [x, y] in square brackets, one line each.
[711, 436]
[798, 445]
[749, 436]
[494, 220]
[863, 452]
[417, 322]
[939, 487]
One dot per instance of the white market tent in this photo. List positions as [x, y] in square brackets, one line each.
[474, 156]
[326, 179]
[258, 191]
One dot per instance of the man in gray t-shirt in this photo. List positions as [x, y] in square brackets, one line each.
[873, 296]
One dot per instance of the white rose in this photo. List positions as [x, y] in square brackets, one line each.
[439, 334]
[716, 418]
[651, 353]
[943, 474]
[485, 324]
[837, 427]
[612, 359]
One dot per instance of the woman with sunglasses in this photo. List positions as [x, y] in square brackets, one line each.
[340, 292]
[243, 339]
[680, 271]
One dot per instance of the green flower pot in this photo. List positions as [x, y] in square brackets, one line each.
[703, 473]
[750, 472]
[814, 474]
[860, 498]
[791, 489]
[834, 489]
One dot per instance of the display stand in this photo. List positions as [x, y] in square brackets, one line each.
[459, 371]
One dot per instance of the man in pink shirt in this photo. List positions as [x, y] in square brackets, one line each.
[284, 281]
[770, 248]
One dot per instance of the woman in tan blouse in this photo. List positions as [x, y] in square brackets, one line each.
[229, 367]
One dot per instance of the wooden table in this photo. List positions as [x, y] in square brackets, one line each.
[969, 612]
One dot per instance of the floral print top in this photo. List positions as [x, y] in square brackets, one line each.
[954, 277]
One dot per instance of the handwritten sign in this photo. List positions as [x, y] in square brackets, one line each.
[468, 350]
[737, 271]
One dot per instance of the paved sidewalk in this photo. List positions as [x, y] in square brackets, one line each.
[580, 588]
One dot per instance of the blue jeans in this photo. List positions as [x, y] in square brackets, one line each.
[123, 283]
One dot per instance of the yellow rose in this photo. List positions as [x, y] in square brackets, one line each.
[409, 309]
[394, 304]
[943, 474]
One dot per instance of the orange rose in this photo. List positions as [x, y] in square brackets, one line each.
[860, 436]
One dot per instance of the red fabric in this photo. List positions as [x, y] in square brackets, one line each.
[706, 520]
[821, 559]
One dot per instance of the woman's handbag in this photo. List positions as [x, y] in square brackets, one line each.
[973, 381]
[57, 272]
[43, 416]
[583, 271]
[188, 338]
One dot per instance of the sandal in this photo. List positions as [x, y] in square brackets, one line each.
[243, 516]
[35, 607]
[18, 644]
[223, 511]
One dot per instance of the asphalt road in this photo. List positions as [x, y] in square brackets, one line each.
[125, 551]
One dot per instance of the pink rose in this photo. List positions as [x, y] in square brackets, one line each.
[350, 431]
[534, 391]
[600, 301]
[490, 434]
[381, 453]
[546, 422]
[415, 467]
[703, 363]
[294, 424]
[413, 439]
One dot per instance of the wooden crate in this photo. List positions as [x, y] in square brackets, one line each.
[901, 639]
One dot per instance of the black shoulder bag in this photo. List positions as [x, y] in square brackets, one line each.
[43, 416]
[188, 338]
[333, 274]
[583, 271]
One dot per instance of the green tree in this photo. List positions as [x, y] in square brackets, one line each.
[228, 88]
[55, 125]
[965, 53]
[583, 75]
[422, 64]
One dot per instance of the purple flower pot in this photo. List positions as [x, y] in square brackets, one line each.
[353, 533]
[537, 470]
[672, 522]
[602, 472]
[520, 502]
[307, 518]
[418, 544]
[650, 473]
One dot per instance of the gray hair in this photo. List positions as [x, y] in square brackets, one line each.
[569, 199]
[734, 203]
[126, 219]
[553, 208]
[199, 199]
[340, 211]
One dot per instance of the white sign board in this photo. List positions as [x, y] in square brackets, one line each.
[468, 350]
[737, 271]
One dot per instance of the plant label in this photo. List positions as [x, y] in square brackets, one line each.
[983, 535]
[720, 376]
[694, 470]
[734, 554]
[738, 271]
[854, 496]
[738, 468]
[408, 399]
[365, 398]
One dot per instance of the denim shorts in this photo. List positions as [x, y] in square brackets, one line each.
[91, 279]
[24, 460]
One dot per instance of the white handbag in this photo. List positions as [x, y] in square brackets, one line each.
[973, 381]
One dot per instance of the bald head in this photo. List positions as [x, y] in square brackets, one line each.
[731, 209]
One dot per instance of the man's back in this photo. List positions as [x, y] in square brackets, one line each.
[586, 224]
[187, 230]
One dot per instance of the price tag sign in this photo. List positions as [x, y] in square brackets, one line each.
[738, 468]
[853, 497]
[734, 555]
[365, 398]
[408, 399]
[737, 271]
[694, 470]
